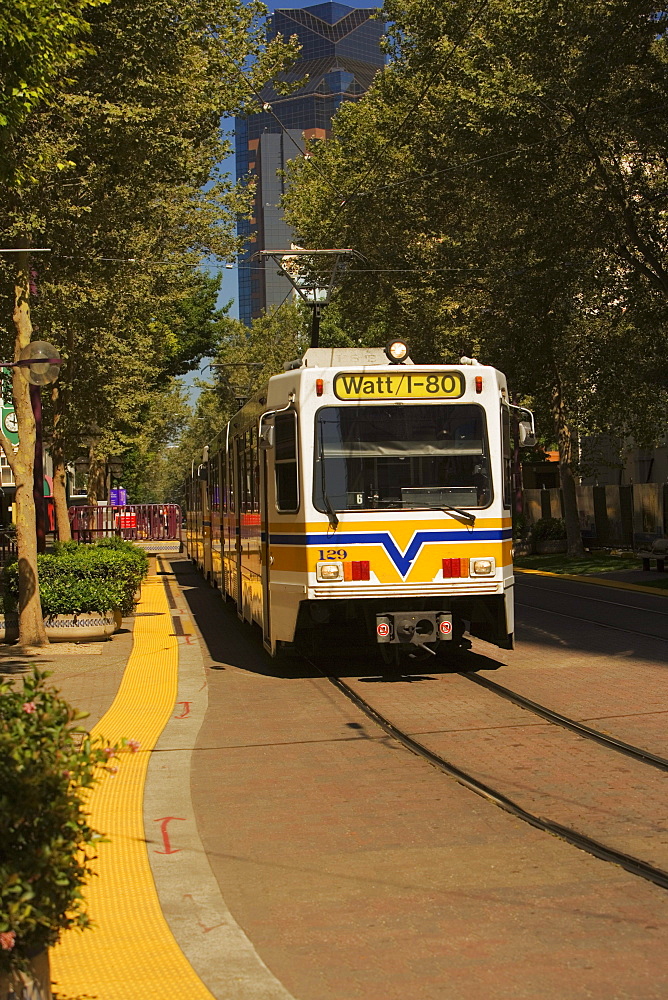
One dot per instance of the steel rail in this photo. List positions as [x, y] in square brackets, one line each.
[635, 866]
[587, 732]
[597, 600]
[588, 621]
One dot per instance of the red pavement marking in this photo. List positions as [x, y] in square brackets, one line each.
[186, 709]
[165, 836]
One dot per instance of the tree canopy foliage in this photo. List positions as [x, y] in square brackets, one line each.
[39, 41]
[118, 174]
[123, 184]
[246, 358]
[506, 180]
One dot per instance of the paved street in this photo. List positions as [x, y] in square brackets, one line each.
[358, 870]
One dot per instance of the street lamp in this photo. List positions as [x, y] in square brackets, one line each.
[39, 364]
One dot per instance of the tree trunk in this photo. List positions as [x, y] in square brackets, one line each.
[566, 477]
[97, 478]
[31, 624]
[60, 494]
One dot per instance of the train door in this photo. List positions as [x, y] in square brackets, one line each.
[239, 488]
[230, 550]
[207, 563]
[265, 555]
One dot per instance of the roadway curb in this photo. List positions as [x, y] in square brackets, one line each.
[615, 584]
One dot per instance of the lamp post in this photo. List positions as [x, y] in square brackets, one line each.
[40, 367]
[39, 364]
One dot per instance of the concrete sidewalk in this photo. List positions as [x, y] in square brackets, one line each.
[161, 927]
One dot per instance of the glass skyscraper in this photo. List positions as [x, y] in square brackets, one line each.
[340, 54]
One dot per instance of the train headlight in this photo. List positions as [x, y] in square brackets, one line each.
[325, 572]
[397, 351]
[483, 567]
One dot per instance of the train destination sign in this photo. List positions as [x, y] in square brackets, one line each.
[399, 385]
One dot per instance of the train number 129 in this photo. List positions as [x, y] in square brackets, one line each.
[332, 554]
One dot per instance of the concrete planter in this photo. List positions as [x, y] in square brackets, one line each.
[36, 985]
[522, 548]
[551, 546]
[67, 628]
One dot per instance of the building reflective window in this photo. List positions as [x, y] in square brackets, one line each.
[340, 55]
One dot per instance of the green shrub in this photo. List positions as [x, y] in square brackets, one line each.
[46, 844]
[548, 529]
[84, 578]
[60, 548]
[521, 527]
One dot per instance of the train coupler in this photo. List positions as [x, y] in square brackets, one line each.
[414, 629]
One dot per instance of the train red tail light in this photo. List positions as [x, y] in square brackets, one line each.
[455, 568]
[357, 570]
[319, 387]
[478, 384]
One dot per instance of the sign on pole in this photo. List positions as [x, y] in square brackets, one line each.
[118, 498]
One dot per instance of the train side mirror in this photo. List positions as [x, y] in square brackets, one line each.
[266, 438]
[527, 434]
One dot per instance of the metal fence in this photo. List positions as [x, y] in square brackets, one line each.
[142, 523]
[8, 549]
[610, 516]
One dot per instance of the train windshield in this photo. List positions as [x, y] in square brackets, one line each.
[401, 457]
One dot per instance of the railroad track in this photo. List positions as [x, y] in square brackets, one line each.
[637, 753]
[633, 865]
[588, 621]
[602, 600]
[609, 603]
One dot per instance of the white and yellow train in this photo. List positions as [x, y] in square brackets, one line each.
[359, 490]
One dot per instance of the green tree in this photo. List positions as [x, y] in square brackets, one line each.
[40, 40]
[505, 179]
[120, 179]
[247, 357]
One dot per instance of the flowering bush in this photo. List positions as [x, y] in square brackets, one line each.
[46, 845]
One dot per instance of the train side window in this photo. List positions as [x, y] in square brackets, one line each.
[222, 483]
[285, 461]
[254, 472]
[231, 482]
[212, 486]
[245, 500]
[507, 458]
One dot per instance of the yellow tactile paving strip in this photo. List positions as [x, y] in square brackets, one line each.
[131, 951]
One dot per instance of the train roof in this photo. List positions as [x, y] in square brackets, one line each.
[331, 358]
[360, 357]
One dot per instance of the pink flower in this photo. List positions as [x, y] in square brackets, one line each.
[29, 707]
[133, 745]
[110, 751]
[7, 940]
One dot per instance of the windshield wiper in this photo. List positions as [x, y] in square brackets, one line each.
[329, 510]
[463, 515]
[331, 513]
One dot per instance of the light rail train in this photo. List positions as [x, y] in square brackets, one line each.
[360, 493]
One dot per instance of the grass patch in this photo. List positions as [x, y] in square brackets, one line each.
[587, 565]
[657, 580]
